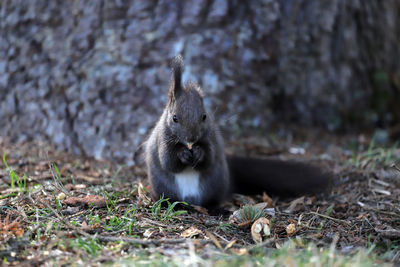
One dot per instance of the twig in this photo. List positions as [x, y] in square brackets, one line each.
[76, 214]
[362, 205]
[381, 191]
[389, 233]
[221, 237]
[380, 182]
[154, 222]
[395, 167]
[308, 227]
[329, 217]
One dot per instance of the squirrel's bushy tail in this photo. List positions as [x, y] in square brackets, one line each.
[276, 177]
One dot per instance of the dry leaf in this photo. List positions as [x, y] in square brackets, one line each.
[299, 242]
[79, 186]
[9, 228]
[214, 239]
[200, 209]
[84, 225]
[260, 229]
[89, 179]
[293, 205]
[240, 251]
[267, 199]
[144, 200]
[95, 200]
[291, 229]
[70, 187]
[310, 201]
[317, 235]
[91, 227]
[190, 232]
[230, 244]
[148, 233]
[18, 232]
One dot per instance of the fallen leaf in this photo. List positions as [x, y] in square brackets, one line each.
[230, 244]
[299, 242]
[200, 209]
[291, 229]
[310, 201]
[9, 228]
[214, 239]
[70, 187]
[267, 199]
[80, 186]
[148, 233]
[293, 205]
[89, 200]
[89, 179]
[84, 225]
[144, 199]
[240, 251]
[190, 232]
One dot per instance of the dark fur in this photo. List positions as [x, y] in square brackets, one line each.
[167, 153]
[277, 177]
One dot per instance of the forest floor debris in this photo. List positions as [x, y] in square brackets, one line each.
[59, 208]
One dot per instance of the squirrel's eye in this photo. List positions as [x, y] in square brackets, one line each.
[175, 118]
[204, 117]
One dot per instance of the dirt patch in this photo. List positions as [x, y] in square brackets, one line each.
[68, 204]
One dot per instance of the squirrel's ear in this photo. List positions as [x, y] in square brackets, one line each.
[176, 83]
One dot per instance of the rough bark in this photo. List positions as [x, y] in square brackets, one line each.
[92, 76]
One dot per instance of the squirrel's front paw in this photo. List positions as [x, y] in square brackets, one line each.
[185, 156]
[198, 155]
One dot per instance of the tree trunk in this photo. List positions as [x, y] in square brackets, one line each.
[92, 76]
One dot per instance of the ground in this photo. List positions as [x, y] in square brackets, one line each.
[56, 208]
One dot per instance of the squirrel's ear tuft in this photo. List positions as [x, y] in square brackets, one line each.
[176, 83]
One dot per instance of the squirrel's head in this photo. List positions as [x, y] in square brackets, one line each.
[186, 117]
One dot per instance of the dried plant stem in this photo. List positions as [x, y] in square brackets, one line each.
[330, 218]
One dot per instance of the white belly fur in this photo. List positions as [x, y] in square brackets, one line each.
[188, 184]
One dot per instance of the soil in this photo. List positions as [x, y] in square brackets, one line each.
[68, 197]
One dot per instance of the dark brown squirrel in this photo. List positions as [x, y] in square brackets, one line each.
[186, 160]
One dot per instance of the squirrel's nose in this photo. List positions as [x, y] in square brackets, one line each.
[190, 143]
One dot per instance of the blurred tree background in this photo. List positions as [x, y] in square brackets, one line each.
[92, 76]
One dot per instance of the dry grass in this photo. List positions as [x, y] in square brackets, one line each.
[77, 210]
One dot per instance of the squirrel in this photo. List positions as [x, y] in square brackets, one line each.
[186, 160]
